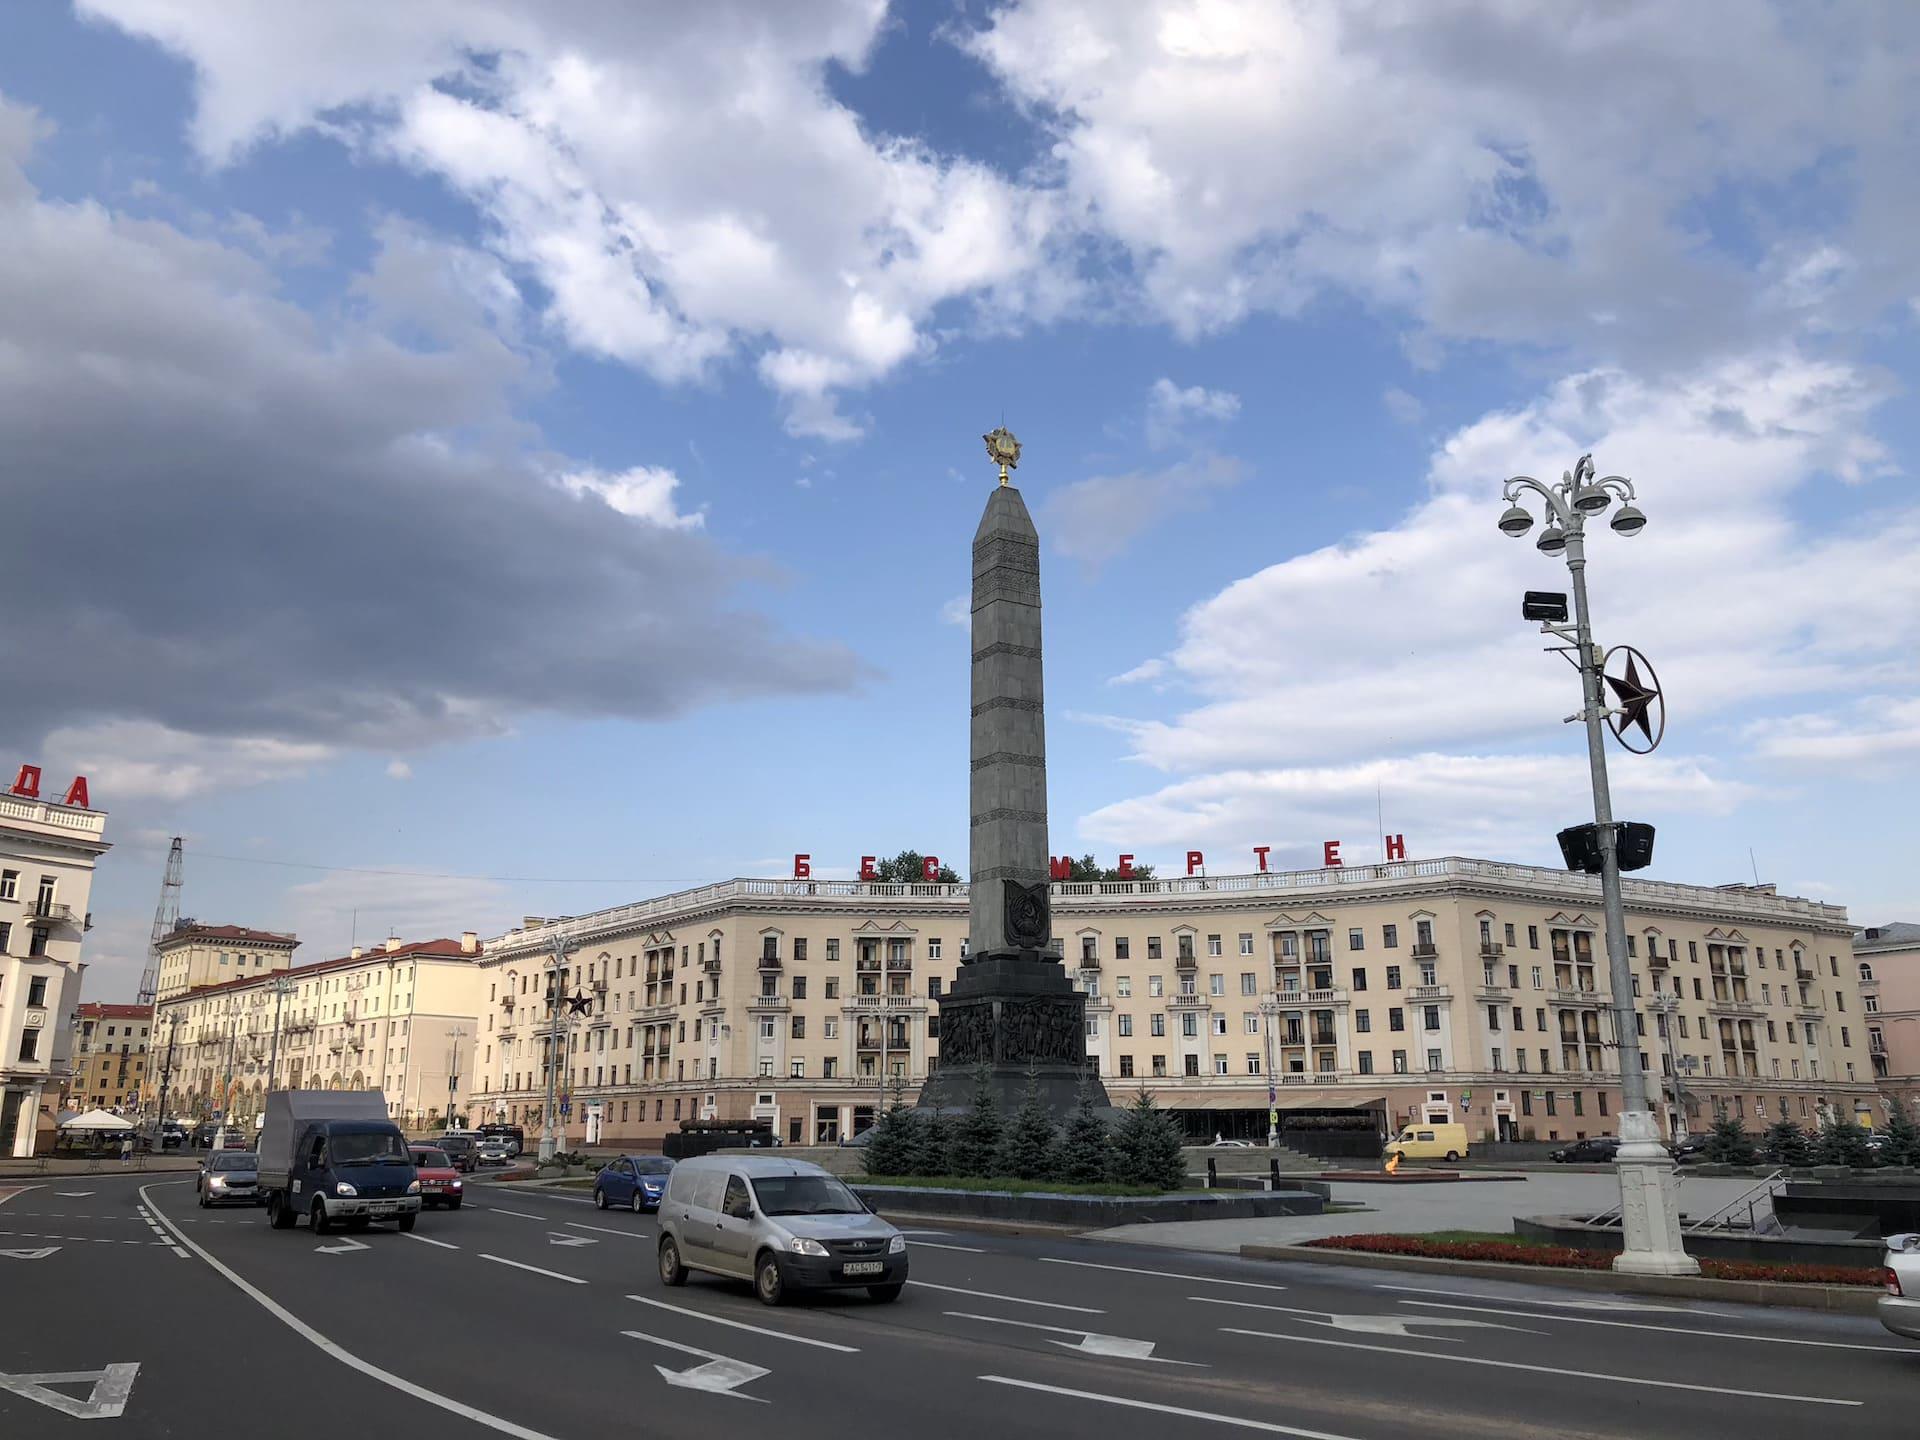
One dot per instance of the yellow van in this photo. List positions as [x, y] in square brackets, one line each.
[1430, 1142]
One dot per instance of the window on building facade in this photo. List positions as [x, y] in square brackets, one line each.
[1363, 1021]
[1157, 1024]
[830, 1029]
[1216, 984]
[833, 987]
[1219, 1024]
[1396, 1018]
[1431, 1018]
[1393, 977]
[1122, 948]
[29, 1044]
[1251, 1023]
[1213, 945]
[1160, 1065]
[1153, 987]
[1126, 1025]
[1356, 939]
[1390, 937]
[1359, 979]
[1190, 1024]
[1153, 947]
[1193, 1066]
[1248, 983]
[1126, 1067]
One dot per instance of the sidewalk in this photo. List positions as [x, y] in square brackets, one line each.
[1414, 1209]
[40, 1166]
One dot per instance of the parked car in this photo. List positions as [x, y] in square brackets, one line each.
[203, 1133]
[513, 1135]
[1594, 1150]
[335, 1157]
[172, 1135]
[782, 1224]
[440, 1182]
[229, 1177]
[635, 1181]
[1231, 1145]
[461, 1150]
[1688, 1151]
[1900, 1307]
[1430, 1142]
[493, 1151]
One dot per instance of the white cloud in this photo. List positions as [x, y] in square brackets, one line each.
[1096, 519]
[1171, 407]
[669, 229]
[1408, 637]
[1249, 156]
[139, 759]
[644, 492]
[957, 611]
[1873, 731]
[1445, 804]
[399, 770]
[1403, 407]
[330, 912]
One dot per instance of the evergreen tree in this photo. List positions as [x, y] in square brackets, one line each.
[1086, 1151]
[1900, 1144]
[933, 1146]
[1842, 1142]
[1728, 1142]
[895, 1143]
[1147, 1149]
[1785, 1143]
[1027, 1150]
[976, 1141]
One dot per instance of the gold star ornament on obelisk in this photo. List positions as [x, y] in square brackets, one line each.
[1003, 450]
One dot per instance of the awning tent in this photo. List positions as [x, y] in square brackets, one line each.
[96, 1120]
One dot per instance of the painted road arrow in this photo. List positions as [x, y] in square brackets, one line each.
[554, 1237]
[1368, 1324]
[341, 1249]
[42, 1253]
[720, 1375]
[104, 1401]
[1088, 1343]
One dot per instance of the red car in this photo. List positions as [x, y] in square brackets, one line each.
[440, 1183]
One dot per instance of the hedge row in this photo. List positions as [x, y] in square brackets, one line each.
[1567, 1258]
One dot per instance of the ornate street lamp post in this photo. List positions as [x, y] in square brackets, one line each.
[1649, 1194]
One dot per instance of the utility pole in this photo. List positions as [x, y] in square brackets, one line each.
[166, 1069]
[556, 1002]
[454, 1037]
[1269, 1009]
[226, 1083]
[281, 987]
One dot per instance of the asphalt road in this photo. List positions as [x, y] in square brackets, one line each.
[529, 1313]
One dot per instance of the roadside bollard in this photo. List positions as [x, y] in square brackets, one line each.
[1213, 1173]
[1273, 1174]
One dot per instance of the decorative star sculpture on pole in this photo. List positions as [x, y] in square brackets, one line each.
[1641, 703]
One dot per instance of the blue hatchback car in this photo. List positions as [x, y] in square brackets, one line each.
[634, 1181]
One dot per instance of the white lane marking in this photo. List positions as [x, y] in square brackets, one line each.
[73, 1194]
[1631, 1305]
[550, 1274]
[926, 1232]
[1457, 1359]
[1373, 1324]
[1091, 1341]
[742, 1325]
[1164, 1274]
[345, 1247]
[721, 1375]
[1267, 1425]
[105, 1401]
[554, 1237]
[628, 1234]
[964, 1249]
[1669, 1329]
[347, 1357]
[501, 1210]
[178, 1251]
[425, 1241]
[42, 1253]
[1009, 1299]
[9, 1192]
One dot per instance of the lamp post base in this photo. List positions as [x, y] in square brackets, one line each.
[1649, 1202]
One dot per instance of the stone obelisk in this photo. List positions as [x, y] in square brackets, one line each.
[1011, 1007]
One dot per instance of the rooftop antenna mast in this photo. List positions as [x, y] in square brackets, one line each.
[165, 916]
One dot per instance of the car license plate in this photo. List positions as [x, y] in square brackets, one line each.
[384, 1207]
[864, 1267]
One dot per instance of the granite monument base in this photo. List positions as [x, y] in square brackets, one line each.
[1018, 1015]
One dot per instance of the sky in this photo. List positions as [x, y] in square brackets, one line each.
[471, 460]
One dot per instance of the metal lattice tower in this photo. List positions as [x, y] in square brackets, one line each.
[165, 916]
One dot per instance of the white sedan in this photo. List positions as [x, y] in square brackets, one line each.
[1900, 1306]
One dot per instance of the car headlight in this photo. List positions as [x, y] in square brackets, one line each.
[342, 1188]
[414, 1188]
[216, 1182]
[453, 1184]
[801, 1245]
[897, 1245]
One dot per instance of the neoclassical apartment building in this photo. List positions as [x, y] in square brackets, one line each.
[1453, 988]
[47, 853]
[399, 1017]
[1889, 961]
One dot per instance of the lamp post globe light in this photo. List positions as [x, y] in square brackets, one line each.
[1649, 1194]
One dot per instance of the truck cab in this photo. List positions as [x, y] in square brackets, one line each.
[338, 1168]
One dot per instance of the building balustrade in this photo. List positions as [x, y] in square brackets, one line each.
[1429, 992]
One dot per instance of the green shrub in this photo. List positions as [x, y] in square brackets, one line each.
[976, 1140]
[1147, 1147]
[1086, 1150]
[1027, 1149]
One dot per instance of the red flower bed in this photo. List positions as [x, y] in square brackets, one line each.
[1566, 1258]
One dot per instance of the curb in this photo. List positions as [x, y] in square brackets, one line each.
[984, 1227]
[1837, 1299]
[106, 1171]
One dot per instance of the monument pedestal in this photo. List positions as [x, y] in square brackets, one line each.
[1015, 1014]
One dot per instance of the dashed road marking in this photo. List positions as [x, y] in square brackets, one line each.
[1163, 1274]
[1670, 1329]
[1010, 1299]
[1267, 1425]
[742, 1325]
[424, 1240]
[502, 1210]
[519, 1265]
[965, 1249]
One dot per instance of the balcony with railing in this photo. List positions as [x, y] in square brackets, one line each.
[48, 912]
[1578, 995]
[1334, 995]
[1428, 993]
[1187, 1000]
[769, 1002]
[1492, 950]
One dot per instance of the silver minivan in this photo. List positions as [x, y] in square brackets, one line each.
[783, 1224]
